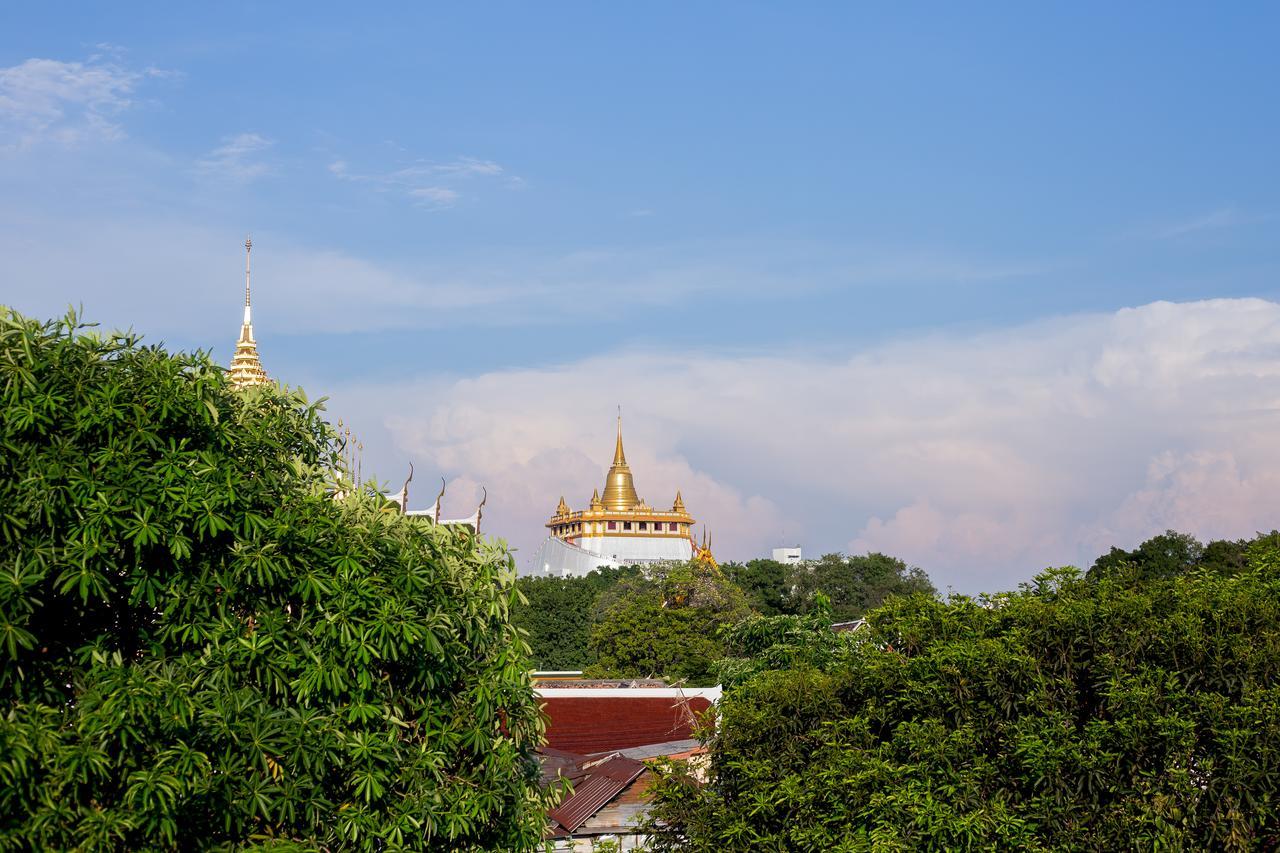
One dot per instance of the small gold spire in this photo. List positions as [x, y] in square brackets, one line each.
[678, 506]
[563, 508]
[619, 458]
[246, 368]
[619, 488]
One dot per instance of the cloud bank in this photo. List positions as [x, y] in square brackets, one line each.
[237, 159]
[47, 100]
[982, 458]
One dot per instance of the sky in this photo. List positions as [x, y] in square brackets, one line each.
[990, 288]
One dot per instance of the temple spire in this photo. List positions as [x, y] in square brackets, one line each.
[619, 489]
[246, 368]
[619, 458]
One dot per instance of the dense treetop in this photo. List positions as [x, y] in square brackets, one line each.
[202, 648]
[565, 617]
[1170, 554]
[557, 615]
[1123, 711]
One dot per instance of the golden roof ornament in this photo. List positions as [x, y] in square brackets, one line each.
[596, 503]
[702, 554]
[619, 489]
[678, 506]
[563, 508]
[246, 368]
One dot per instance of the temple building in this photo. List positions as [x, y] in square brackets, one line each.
[617, 528]
[246, 369]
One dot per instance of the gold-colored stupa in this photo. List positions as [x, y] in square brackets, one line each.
[246, 368]
[620, 513]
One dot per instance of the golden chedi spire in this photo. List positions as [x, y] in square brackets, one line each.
[619, 489]
[678, 506]
[246, 369]
[563, 508]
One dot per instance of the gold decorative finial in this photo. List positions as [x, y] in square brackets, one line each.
[619, 489]
[439, 500]
[619, 458]
[246, 368]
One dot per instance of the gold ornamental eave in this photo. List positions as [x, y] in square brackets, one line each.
[608, 515]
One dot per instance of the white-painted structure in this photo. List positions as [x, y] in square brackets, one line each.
[788, 556]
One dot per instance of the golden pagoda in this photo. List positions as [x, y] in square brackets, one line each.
[617, 528]
[245, 368]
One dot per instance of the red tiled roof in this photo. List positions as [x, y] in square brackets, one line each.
[586, 724]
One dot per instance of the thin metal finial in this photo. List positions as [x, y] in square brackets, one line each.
[248, 247]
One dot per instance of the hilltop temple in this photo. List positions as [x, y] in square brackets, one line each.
[245, 368]
[617, 529]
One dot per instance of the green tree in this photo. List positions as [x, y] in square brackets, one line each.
[1172, 553]
[853, 584]
[1074, 714]
[556, 615]
[202, 648]
[764, 582]
[665, 623]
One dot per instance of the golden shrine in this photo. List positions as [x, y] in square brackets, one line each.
[618, 528]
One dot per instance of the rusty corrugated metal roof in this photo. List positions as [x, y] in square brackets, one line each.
[603, 780]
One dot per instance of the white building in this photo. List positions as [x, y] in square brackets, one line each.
[787, 556]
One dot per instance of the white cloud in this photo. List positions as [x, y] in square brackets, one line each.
[434, 196]
[1218, 219]
[431, 184]
[981, 458]
[185, 271]
[47, 100]
[237, 159]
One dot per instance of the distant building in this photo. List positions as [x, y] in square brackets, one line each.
[617, 529]
[788, 556]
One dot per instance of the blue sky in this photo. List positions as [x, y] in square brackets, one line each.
[671, 208]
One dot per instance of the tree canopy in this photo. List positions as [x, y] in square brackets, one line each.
[557, 614]
[1169, 554]
[851, 584]
[1074, 714]
[665, 622]
[202, 648]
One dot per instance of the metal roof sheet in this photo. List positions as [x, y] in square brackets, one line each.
[602, 783]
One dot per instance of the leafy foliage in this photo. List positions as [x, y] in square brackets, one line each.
[1074, 714]
[200, 647]
[849, 584]
[765, 583]
[853, 584]
[665, 623]
[1169, 554]
[556, 615]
